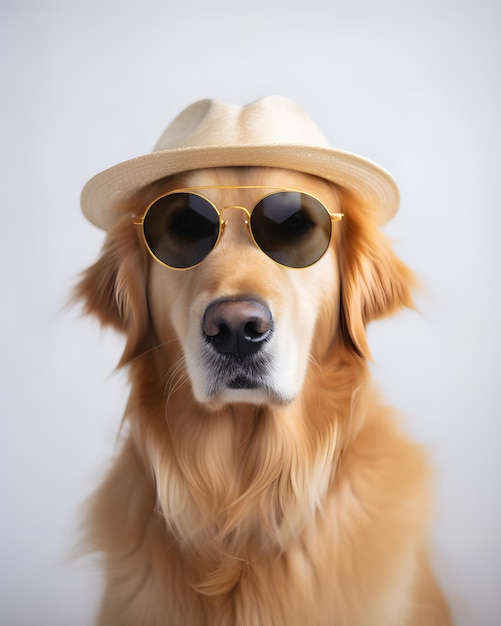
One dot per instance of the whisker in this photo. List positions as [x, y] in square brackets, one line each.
[176, 377]
[163, 344]
[179, 362]
[314, 364]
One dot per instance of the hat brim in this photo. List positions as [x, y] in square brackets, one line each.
[104, 196]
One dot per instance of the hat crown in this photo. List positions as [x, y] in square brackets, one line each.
[273, 120]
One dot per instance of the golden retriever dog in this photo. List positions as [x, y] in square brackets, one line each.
[260, 480]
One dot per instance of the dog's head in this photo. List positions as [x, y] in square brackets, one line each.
[239, 327]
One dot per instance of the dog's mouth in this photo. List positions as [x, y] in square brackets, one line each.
[226, 372]
[244, 382]
[247, 380]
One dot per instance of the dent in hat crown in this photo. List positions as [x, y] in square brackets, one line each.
[268, 121]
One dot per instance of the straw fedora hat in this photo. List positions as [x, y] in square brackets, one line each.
[271, 132]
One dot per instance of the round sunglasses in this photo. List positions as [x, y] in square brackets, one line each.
[181, 227]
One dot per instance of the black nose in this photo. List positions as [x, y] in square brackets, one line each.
[237, 327]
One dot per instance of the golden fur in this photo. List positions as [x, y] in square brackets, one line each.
[251, 510]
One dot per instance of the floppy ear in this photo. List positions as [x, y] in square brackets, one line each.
[114, 288]
[374, 281]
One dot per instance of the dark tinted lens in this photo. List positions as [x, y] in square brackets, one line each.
[181, 229]
[292, 228]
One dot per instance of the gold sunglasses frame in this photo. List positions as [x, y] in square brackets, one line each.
[138, 220]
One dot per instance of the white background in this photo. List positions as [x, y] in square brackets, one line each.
[413, 85]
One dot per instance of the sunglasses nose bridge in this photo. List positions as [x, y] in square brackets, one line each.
[238, 207]
[224, 222]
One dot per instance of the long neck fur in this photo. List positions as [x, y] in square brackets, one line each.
[239, 483]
